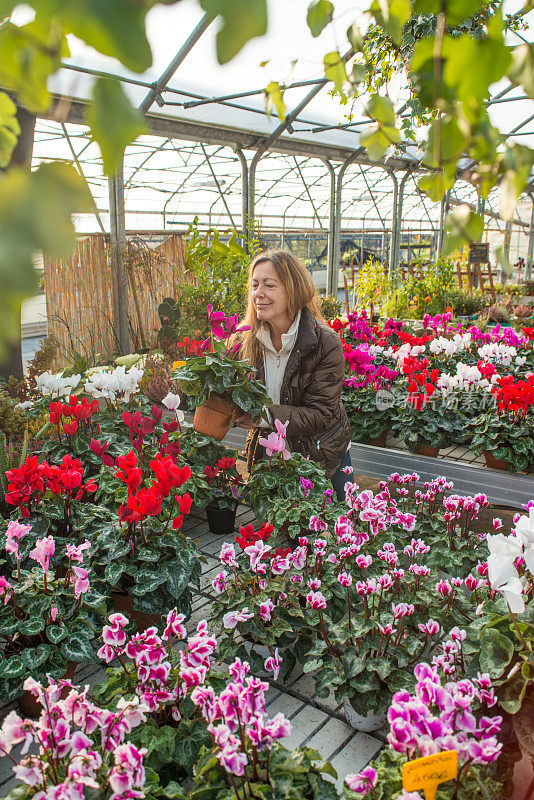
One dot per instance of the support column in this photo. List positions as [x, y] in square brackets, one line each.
[398, 226]
[117, 225]
[331, 227]
[244, 191]
[530, 245]
[393, 235]
[506, 250]
[337, 227]
[443, 210]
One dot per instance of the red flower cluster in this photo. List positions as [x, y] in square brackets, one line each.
[528, 332]
[422, 384]
[68, 416]
[247, 534]
[219, 474]
[514, 396]
[146, 502]
[28, 483]
[414, 341]
[486, 368]
[193, 348]
[139, 427]
[337, 325]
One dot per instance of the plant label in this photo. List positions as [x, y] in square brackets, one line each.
[428, 772]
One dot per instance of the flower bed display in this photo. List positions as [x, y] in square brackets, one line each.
[362, 595]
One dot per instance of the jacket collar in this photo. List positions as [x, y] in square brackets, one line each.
[307, 337]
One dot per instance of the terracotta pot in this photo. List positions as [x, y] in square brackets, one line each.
[122, 602]
[29, 705]
[380, 441]
[214, 417]
[494, 463]
[427, 450]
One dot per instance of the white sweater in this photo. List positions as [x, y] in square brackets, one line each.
[275, 362]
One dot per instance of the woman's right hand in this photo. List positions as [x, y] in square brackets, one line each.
[246, 421]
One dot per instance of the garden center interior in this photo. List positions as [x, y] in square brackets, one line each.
[114, 500]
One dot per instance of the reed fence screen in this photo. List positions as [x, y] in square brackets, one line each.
[79, 293]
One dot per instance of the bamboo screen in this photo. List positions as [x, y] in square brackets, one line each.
[79, 296]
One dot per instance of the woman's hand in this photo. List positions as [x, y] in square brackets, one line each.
[246, 421]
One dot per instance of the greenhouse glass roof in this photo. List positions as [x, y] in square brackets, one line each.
[189, 165]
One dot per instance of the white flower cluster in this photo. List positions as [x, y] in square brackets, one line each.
[118, 384]
[504, 551]
[449, 347]
[467, 378]
[55, 385]
[498, 352]
[404, 351]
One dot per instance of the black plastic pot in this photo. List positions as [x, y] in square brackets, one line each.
[221, 521]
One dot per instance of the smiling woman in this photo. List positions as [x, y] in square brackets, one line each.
[300, 361]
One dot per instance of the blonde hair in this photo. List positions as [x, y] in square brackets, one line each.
[301, 293]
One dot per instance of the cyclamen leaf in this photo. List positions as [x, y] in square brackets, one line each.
[113, 121]
[319, 15]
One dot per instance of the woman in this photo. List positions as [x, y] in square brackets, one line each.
[299, 359]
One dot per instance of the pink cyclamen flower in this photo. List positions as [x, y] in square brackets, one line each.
[43, 551]
[219, 582]
[227, 555]
[232, 618]
[81, 584]
[444, 588]
[256, 552]
[316, 600]
[431, 627]
[14, 532]
[266, 610]
[363, 781]
[272, 664]
[274, 445]
[345, 579]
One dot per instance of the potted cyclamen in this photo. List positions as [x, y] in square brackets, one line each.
[286, 489]
[369, 606]
[225, 482]
[420, 724]
[222, 386]
[257, 601]
[149, 666]
[424, 424]
[48, 620]
[75, 747]
[246, 758]
[505, 433]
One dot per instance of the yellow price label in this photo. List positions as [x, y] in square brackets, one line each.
[176, 364]
[428, 772]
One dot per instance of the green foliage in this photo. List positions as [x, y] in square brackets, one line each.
[330, 306]
[113, 122]
[368, 419]
[279, 481]
[476, 784]
[37, 644]
[242, 20]
[296, 774]
[10, 459]
[372, 283]
[219, 273]
[9, 129]
[319, 15]
[507, 441]
[226, 377]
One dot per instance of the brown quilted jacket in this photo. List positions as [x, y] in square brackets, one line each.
[310, 395]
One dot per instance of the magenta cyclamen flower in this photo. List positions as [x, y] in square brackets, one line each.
[232, 618]
[307, 485]
[345, 579]
[272, 664]
[363, 781]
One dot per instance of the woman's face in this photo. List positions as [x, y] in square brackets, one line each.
[269, 295]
